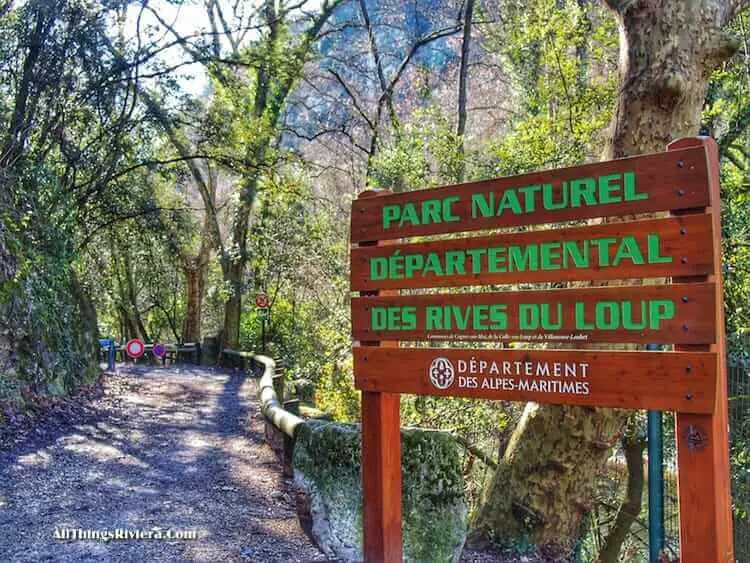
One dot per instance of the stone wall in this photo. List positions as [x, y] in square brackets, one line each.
[327, 475]
[48, 332]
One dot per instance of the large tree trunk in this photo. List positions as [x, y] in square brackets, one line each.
[546, 479]
[233, 306]
[191, 328]
[196, 270]
[544, 485]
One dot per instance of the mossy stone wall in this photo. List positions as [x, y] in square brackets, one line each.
[327, 471]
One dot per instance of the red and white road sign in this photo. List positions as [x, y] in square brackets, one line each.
[135, 348]
[261, 301]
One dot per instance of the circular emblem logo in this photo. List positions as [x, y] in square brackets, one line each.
[441, 373]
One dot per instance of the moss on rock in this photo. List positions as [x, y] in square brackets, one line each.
[48, 332]
[327, 470]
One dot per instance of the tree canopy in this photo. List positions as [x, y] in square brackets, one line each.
[162, 162]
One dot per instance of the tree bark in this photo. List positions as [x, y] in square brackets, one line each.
[544, 485]
[196, 270]
[631, 506]
[463, 77]
[546, 479]
[233, 306]
[194, 280]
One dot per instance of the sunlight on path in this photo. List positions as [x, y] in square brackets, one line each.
[168, 449]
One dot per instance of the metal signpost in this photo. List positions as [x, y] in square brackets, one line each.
[108, 344]
[262, 303]
[687, 312]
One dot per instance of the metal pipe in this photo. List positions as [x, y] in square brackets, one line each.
[111, 355]
[655, 481]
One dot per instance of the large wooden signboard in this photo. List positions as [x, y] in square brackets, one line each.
[520, 245]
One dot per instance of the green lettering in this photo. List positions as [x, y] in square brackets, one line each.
[654, 251]
[448, 215]
[630, 193]
[528, 316]
[498, 317]
[378, 318]
[607, 315]
[409, 318]
[603, 245]
[608, 188]
[627, 316]
[496, 259]
[660, 309]
[396, 266]
[390, 214]
[480, 316]
[510, 201]
[572, 249]
[433, 317]
[414, 262]
[523, 258]
[483, 204]
[455, 263]
[378, 268]
[433, 265]
[550, 252]
[581, 324]
[409, 215]
[476, 259]
[547, 322]
[548, 197]
[431, 211]
[462, 320]
[628, 249]
[582, 189]
[529, 196]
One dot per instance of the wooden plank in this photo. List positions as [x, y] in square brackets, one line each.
[381, 459]
[681, 381]
[381, 475]
[702, 439]
[657, 313]
[676, 246]
[660, 182]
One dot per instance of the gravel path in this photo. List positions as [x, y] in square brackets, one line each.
[177, 449]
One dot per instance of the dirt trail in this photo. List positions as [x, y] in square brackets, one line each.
[163, 449]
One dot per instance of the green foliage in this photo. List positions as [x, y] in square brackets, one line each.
[42, 327]
[297, 254]
[736, 247]
[335, 391]
[423, 154]
[562, 59]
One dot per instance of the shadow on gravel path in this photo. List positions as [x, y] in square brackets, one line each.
[166, 450]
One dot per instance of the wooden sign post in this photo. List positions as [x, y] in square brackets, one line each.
[684, 246]
[702, 439]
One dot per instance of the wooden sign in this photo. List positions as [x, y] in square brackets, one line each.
[642, 184]
[688, 314]
[684, 381]
[677, 246]
[680, 313]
